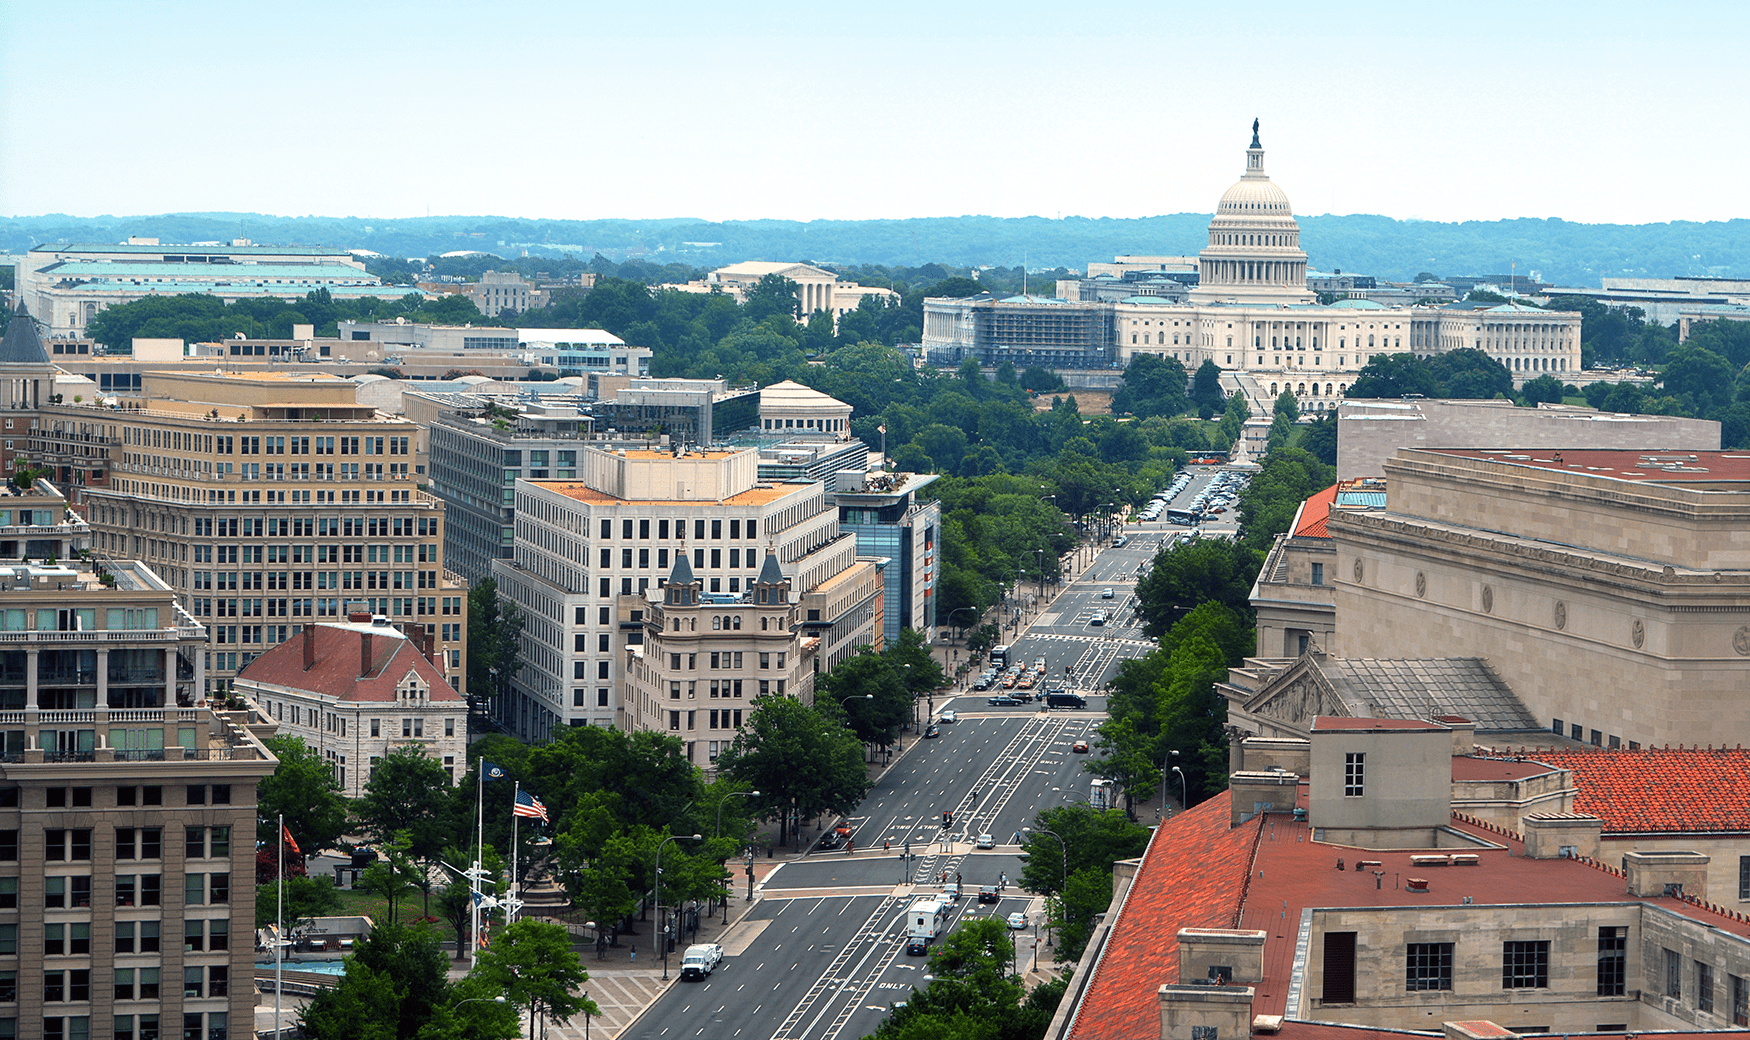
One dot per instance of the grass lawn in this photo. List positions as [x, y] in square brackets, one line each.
[368, 904]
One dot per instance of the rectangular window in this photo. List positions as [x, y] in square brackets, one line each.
[1428, 966]
[1612, 961]
[1318, 574]
[1740, 1001]
[1339, 968]
[1673, 975]
[1704, 987]
[1525, 964]
[1354, 774]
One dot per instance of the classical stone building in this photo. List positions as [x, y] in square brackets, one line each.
[356, 690]
[1250, 313]
[1336, 891]
[1609, 589]
[588, 552]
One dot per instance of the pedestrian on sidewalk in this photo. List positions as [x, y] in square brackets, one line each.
[634, 954]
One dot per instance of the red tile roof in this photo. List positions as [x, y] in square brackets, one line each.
[1193, 876]
[1310, 521]
[336, 671]
[1198, 873]
[1661, 790]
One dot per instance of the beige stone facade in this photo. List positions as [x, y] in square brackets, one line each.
[266, 501]
[1608, 589]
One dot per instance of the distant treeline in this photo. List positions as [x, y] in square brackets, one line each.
[1560, 251]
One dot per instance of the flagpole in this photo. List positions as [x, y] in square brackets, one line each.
[279, 926]
[479, 855]
[516, 888]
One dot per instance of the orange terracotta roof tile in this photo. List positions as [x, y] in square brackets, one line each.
[1310, 521]
[1193, 876]
[1661, 790]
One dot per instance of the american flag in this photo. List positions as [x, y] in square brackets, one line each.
[528, 805]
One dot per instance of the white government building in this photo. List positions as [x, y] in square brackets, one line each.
[1252, 314]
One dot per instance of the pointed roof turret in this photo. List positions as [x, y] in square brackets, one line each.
[21, 345]
[683, 570]
[770, 572]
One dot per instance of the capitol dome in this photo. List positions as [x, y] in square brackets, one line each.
[1253, 255]
[1254, 197]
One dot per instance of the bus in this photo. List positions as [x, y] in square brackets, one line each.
[1183, 517]
[999, 655]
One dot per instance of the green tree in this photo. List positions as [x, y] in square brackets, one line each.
[393, 876]
[772, 295]
[974, 991]
[1152, 386]
[1088, 894]
[1201, 571]
[866, 689]
[495, 628]
[532, 964]
[1206, 390]
[1269, 503]
[407, 797]
[1320, 438]
[1394, 375]
[1545, 388]
[804, 763]
[393, 982]
[306, 898]
[1094, 839]
[302, 788]
[1469, 373]
[1286, 405]
[1700, 376]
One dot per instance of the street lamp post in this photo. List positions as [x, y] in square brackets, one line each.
[719, 834]
[1060, 844]
[661, 930]
[856, 697]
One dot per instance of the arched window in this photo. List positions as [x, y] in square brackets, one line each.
[1274, 391]
[762, 624]
[1300, 390]
[1327, 390]
[677, 624]
[736, 622]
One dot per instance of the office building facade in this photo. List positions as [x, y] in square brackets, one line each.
[588, 552]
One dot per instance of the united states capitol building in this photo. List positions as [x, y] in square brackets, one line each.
[1251, 314]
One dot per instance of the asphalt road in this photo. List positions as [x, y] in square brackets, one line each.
[822, 957]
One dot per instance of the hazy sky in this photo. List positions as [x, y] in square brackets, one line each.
[1596, 112]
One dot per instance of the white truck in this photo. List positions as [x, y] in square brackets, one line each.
[923, 922]
[700, 959]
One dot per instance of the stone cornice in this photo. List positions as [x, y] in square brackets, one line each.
[1523, 555]
[1569, 486]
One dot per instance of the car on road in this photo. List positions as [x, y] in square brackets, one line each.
[1017, 920]
[931, 731]
[1105, 593]
[948, 715]
[988, 894]
[986, 841]
[983, 682]
[1080, 747]
[1001, 700]
[831, 840]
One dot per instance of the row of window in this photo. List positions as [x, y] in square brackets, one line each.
[207, 581]
[738, 529]
[231, 444]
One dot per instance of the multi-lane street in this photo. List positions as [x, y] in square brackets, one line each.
[822, 955]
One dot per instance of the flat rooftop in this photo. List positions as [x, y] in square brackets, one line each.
[757, 496]
[1641, 467]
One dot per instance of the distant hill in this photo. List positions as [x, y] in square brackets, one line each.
[1563, 252]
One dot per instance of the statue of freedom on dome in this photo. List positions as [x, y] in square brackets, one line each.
[1255, 143]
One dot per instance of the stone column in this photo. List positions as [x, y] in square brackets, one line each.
[170, 676]
[103, 676]
[30, 680]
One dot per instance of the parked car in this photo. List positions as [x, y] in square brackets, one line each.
[986, 841]
[1017, 920]
[987, 894]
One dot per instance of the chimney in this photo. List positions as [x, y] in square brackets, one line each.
[364, 654]
[359, 617]
[309, 647]
[428, 642]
